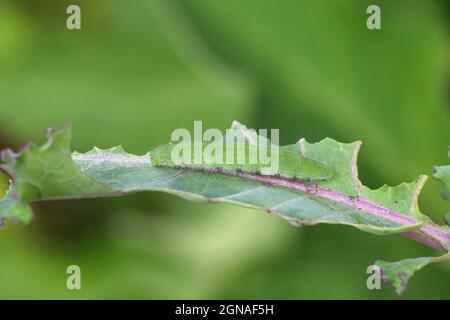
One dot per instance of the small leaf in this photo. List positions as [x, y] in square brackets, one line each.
[398, 273]
[443, 174]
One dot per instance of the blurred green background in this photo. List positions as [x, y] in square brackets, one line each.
[139, 69]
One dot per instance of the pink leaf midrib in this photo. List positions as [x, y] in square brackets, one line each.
[429, 234]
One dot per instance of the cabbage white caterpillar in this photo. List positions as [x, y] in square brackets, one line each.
[291, 166]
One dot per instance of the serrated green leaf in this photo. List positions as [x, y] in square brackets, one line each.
[13, 209]
[398, 273]
[48, 172]
[53, 172]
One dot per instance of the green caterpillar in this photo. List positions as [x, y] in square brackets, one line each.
[291, 165]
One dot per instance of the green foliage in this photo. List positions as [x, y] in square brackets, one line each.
[52, 172]
[399, 272]
[48, 172]
[139, 69]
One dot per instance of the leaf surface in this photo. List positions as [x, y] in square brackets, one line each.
[52, 172]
